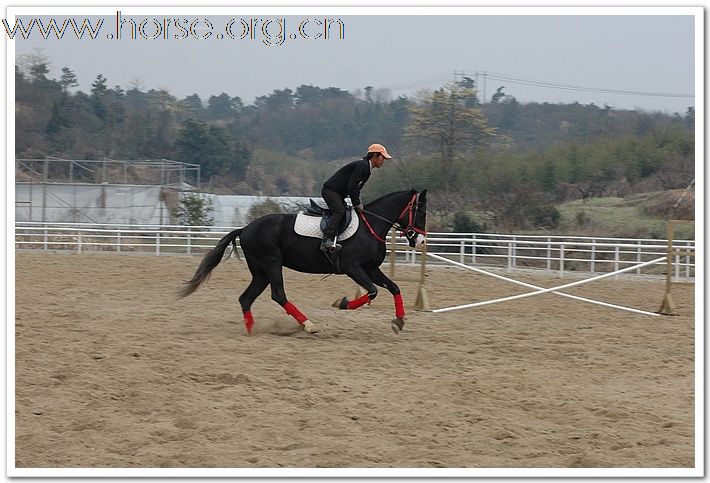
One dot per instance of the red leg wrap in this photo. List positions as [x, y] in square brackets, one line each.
[248, 321]
[295, 313]
[398, 306]
[365, 299]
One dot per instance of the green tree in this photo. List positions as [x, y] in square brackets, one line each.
[193, 140]
[574, 164]
[690, 117]
[277, 100]
[548, 176]
[56, 122]
[98, 94]
[191, 106]
[212, 147]
[511, 112]
[194, 210]
[223, 107]
[39, 72]
[161, 118]
[68, 79]
[498, 95]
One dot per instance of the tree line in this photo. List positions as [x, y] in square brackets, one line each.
[510, 162]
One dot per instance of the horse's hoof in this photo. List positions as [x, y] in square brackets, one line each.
[310, 327]
[342, 304]
[397, 325]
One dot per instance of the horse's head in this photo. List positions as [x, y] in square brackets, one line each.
[412, 221]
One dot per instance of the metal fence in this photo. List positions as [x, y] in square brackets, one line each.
[551, 253]
[561, 253]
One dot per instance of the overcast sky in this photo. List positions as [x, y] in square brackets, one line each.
[575, 57]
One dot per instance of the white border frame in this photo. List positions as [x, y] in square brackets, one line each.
[321, 7]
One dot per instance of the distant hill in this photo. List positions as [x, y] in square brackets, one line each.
[539, 125]
[533, 157]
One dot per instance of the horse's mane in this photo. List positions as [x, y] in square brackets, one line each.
[390, 195]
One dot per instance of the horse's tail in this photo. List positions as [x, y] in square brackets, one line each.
[209, 262]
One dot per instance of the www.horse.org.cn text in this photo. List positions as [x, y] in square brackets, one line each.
[270, 31]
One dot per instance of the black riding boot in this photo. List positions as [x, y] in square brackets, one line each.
[336, 203]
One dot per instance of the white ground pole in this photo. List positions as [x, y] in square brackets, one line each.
[540, 290]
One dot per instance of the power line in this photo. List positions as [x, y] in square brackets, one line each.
[556, 85]
[421, 82]
[530, 82]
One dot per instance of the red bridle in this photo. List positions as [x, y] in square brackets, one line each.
[409, 210]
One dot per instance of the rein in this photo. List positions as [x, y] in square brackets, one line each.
[410, 209]
[372, 230]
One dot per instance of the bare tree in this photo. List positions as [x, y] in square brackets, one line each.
[445, 122]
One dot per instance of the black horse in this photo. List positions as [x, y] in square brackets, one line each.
[270, 243]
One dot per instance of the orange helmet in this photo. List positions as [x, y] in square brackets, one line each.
[378, 148]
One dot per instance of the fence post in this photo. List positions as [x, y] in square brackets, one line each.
[462, 252]
[549, 253]
[46, 239]
[118, 239]
[78, 243]
[594, 255]
[157, 243]
[473, 250]
[510, 256]
[616, 260]
[638, 257]
[422, 302]
[189, 241]
[562, 260]
[667, 306]
[515, 251]
[393, 253]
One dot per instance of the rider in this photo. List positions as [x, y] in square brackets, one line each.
[348, 181]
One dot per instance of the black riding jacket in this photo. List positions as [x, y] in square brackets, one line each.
[349, 179]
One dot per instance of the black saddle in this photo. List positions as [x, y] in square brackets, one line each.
[316, 210]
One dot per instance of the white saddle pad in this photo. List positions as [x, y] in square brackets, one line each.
[310, 226]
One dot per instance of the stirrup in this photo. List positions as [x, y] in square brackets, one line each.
[327, 244]
[330, 245]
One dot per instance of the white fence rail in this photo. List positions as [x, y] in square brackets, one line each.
[552, 253]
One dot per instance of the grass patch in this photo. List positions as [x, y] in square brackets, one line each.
[638, 216]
